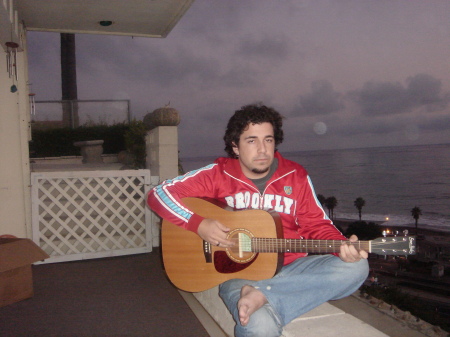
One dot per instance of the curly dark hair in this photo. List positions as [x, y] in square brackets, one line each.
[251, 114]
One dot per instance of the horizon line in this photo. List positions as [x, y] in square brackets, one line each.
[317, 150]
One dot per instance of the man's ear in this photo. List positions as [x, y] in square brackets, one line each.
[235, 149]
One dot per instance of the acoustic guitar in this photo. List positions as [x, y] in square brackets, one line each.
[194, 265]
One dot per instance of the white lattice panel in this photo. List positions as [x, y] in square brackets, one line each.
[91, 214]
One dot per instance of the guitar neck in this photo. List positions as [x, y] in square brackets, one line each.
[269, 245]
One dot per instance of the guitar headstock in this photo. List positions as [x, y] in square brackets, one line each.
[394, 245]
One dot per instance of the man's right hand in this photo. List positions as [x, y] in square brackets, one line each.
[214, 232]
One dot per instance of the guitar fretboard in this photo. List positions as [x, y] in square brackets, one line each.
[269, 245]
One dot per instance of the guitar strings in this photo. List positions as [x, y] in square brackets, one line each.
[297, 245]
[326, 246]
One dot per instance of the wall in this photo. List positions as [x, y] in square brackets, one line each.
[15, 197]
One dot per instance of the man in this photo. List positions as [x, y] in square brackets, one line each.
[256, 176]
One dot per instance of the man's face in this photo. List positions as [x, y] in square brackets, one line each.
[256, 150]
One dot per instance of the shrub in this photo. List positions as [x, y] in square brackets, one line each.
[59, 142]
[135, 143]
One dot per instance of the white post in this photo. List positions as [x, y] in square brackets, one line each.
[162, 160]
[162, 152]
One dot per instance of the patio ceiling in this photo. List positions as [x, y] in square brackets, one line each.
[148, 18]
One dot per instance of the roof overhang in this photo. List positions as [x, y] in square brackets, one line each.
[148, 18]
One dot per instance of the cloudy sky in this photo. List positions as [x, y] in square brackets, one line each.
[344, 73]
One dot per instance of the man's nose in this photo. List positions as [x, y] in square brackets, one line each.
[262, 147]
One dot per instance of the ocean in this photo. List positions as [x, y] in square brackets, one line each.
[391, 180]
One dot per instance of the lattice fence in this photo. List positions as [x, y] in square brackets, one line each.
[91, 214]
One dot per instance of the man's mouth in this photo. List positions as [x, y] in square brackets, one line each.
[264, 159]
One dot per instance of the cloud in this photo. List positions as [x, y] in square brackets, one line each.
[364, 127]
[214, 20]
[390, 98]
[424, 89]
[267, 47]
[322, 100]
[203, 134]
[436, 124]
[145, 61]
[382, 98]
[239, 76]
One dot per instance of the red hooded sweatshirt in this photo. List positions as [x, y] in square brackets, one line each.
[288, 192]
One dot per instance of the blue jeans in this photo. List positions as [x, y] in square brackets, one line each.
[296, 289]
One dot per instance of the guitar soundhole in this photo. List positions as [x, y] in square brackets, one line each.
[225, 265]
[242, 250]
[238, 257]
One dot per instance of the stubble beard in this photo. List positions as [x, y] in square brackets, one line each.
[261, 171]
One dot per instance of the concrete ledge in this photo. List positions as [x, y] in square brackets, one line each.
[67, 160]
[325, 320]
[210, 325]
[74, 163]
[214, 305]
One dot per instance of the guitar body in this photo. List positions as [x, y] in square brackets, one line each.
[193, 265]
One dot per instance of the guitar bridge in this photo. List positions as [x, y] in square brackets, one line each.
[207, 251]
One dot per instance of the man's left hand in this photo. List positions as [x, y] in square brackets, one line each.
[349, 253]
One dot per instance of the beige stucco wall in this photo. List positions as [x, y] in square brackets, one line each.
[15, 201]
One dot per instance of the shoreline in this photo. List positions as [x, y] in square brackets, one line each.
[344, 223]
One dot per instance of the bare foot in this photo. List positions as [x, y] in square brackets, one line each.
[251, 300]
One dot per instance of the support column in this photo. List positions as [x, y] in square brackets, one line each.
[162, 152]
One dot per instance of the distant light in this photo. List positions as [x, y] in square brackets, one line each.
[387, 218]
[105, 23]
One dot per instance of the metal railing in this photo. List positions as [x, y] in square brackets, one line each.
[74, 113]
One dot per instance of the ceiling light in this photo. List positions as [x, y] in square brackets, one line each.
[105, 23]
